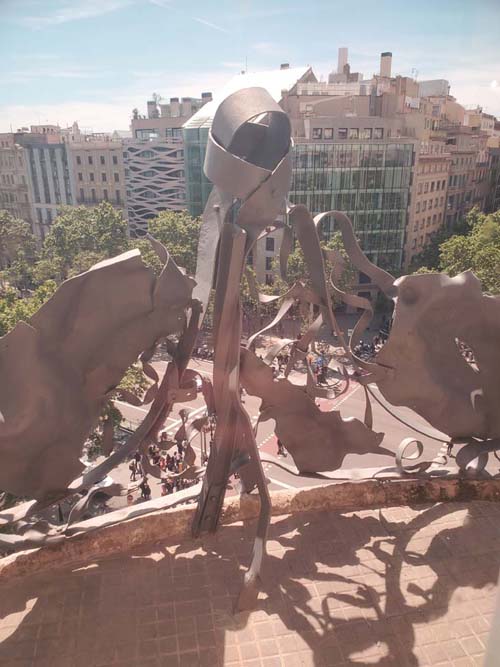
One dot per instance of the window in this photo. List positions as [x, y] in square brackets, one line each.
[115, 159]
[419, 191]
[417, 208]
[269, 279]
[93, 195]
[443, 183]
[415, 226]
[366, 133]
[422, 223]
[105, 194]
[378, 133]
[92, 176]
[82, 194]
[104, 177]
[434, 219]
[342, 133]
[269, 263]
[117, 178]
[269, 243]
[436, 201]
[432, 186]
[424, 206]
[90, 159]
[80, 176]
[426, 187]
[414, 244]
[117, 194]
[103, 161]
[78, 160]
[317, 133]
[428, 221]
[328, 133]
[353, 133]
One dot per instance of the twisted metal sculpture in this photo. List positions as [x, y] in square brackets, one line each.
[59, 369]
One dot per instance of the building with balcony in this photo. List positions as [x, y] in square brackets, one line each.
[49, 175]
[427, 211]
[97, 166]
[14, 189]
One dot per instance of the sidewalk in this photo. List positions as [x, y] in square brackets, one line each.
[394, 586]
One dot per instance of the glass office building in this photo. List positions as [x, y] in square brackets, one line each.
[370, 182]
[198, 187]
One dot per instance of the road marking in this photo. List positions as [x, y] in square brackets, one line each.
[283, 484]
[348, 396]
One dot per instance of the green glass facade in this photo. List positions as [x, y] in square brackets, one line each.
[370, 182]
[198, 187]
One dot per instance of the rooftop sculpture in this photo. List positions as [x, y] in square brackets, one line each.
[58, 369]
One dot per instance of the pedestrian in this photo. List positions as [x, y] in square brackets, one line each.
[132, 466]
[145, 488]
[137, 457]
[281, 448]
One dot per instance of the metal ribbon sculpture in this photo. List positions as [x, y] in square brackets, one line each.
[59, 369]
[421, 366]
[248, 160]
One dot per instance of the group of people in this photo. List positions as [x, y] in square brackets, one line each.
[171, 465]
[203, 352]
[369, 350]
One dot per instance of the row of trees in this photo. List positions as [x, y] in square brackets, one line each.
[78, 238]
[473, 244]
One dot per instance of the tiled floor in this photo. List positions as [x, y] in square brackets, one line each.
[390, 587]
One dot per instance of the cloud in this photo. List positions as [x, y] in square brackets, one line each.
[75, 11]
[52, 72]
[494, 84]
[210, 25]
[114, 112]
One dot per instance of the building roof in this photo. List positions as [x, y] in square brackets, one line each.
[274, 81]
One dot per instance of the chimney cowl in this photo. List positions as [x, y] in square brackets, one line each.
[285, 66]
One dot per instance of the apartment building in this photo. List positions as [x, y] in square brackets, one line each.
[154, 160]
[429, 196]
[99, 175]
[49, 175]
[14, 189]
[467, 180]
[493, 201]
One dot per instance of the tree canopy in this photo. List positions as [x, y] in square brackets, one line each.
[477, 249]
[179, 232]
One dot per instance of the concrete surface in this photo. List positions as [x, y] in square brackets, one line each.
[399, 586]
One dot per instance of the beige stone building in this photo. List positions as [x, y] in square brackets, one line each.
[14, 189]
[98, 171]
[428, 203]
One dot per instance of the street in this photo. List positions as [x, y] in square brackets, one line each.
[350, 404]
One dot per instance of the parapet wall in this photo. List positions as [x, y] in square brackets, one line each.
[95, 539]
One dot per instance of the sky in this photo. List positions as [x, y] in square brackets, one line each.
[93, 61]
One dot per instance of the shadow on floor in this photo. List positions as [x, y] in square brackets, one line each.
[396, 587]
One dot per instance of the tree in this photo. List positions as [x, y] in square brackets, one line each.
[100, 231]
[429, 257]
[13, 309]
[479, 251]
[179, 232]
